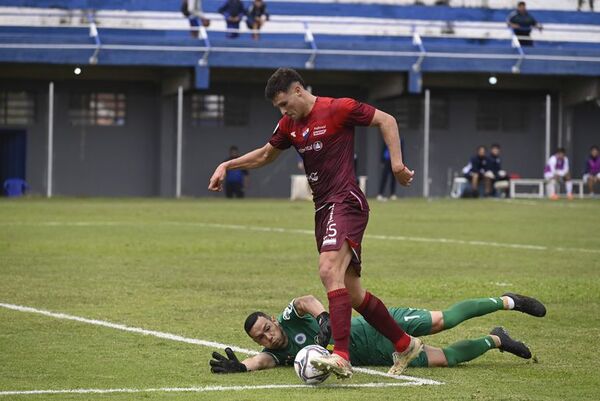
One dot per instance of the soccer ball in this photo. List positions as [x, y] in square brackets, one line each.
[305, 371]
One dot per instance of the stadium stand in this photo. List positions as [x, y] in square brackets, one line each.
[324, 35]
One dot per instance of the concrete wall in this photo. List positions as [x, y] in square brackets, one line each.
[138, 159]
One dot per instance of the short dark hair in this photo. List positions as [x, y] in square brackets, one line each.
[521, 3]
[495, 145]
[281, 80]
[561, 150]
[251, 320]
[594, 147]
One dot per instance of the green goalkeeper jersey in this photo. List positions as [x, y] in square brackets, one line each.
[368, 347]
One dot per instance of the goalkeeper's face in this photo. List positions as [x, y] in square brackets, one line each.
[268, 333]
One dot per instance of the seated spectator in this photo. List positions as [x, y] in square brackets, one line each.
[233, 11]
[580, 3]
[521, 22]
[556, 170]
[494, 171]
[474, 172]
[192, 9]
[591, 173]
[257, 16]
[235, 180]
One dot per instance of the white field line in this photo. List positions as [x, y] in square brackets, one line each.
[401, 238]
[310, 232]
[206, 388]
[174, 337]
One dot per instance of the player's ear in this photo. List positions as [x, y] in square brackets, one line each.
[297, 89]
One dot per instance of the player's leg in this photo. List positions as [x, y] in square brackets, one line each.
[332, 268]
[568, 185]
[551, 186]
[383, 182]
[475, 182]
[468, 309]
[488, 180]
[377, 315]
[589, 180]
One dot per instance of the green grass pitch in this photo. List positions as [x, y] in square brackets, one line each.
[196, 268]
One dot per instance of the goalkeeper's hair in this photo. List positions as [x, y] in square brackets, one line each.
[281, 80]
[251, 319]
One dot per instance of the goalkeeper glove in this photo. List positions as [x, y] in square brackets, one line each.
[324, 330]
[229, 364]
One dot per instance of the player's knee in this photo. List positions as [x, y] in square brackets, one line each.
[329, 272]
[451, 357]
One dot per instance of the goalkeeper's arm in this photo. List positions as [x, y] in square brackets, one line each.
[231, 364]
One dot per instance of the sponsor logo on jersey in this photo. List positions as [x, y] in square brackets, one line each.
[300, 338]
[409, 318]
[305, 133]
[320, 130]
[313, 146]
[329, 238]
[313, 177]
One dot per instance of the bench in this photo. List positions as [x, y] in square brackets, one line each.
[539, 183]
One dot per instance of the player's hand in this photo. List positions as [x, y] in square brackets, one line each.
[216, 181]
[404, 176]
[229, 364]
[324, 330]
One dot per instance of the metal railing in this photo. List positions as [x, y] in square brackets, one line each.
[310, 28]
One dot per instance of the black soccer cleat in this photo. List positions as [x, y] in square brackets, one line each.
[526, 304]
[509, 345]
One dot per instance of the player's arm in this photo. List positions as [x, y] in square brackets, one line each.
[230, 363]
[260, 361]
[254, 159]
[389, 131]
[308, 304]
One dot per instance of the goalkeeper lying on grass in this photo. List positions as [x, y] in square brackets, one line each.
[305, 321]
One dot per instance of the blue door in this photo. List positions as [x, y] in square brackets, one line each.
[13, 154]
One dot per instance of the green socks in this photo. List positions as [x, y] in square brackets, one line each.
[467, 350]
[469, 309]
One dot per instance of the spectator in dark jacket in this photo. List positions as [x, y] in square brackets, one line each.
[475, 171]
[192, 10]
[233, 11]
[257, 15]
[521, 22]
[494, 170]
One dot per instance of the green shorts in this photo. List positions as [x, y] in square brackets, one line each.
[415, 322]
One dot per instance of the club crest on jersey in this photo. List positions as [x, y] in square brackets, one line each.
[305, 132]
[300, 338]
[317, 146]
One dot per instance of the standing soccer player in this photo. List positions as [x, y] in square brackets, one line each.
[321, 130]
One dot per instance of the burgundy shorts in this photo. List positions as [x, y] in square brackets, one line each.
[339, 222]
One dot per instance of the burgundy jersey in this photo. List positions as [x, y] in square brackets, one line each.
[325, 141]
